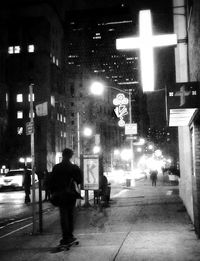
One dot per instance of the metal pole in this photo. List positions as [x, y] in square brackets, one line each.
[78, 204]
[78, 137]
[40, 205]
[33, 160]
[131, 142]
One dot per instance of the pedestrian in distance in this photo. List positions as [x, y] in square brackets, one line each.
[27, 185]
[153, 176]
[46, 185]
[63, 176]
[104, 190]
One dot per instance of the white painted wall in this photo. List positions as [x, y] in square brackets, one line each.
[181, 61]
[185, 184]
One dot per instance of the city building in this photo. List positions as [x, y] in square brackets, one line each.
[32, 53]
[183, 104]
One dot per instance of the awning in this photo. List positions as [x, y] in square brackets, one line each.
[180, 117]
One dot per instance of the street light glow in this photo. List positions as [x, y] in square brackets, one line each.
[97, 88]
[87, 132]
[96, 149]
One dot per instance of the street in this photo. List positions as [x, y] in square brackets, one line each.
[142, 223]
[12, 205]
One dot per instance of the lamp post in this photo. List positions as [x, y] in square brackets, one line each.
[97, 88]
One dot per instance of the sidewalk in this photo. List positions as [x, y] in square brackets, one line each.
[143, 223]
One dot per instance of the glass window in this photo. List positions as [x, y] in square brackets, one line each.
[10, 49]
[31, 48]
[19, 114]
[20, 97]
[16, 49]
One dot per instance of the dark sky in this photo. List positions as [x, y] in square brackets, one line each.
[160, 5]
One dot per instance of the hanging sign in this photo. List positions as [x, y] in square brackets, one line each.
[120, 110]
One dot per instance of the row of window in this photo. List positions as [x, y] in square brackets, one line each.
[20, 131]
[54, 59]
[20, 115]
[61, 118]
[17, 49]
[20, 97]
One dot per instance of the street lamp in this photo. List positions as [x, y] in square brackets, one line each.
[97, 88]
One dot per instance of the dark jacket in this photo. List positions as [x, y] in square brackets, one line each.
[62, 174]
[27, 180]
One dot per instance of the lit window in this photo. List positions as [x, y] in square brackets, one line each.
[19, 130]
[16, 49]
[31, 48]
[64, 119]
[61, 117]
[57, 62]
[53, 101]
[33, 97]
[20, 115]
[19, 98]
[10, 49]
[54, 59]
[58, 116]
[65, 134]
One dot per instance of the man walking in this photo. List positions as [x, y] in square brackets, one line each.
[27, 185]
[63, 176]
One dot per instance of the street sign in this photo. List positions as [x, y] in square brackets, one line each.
[130, 128]
[91, 172]
[29, 128]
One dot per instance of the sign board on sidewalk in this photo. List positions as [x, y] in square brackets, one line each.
[130, 128]
[90, 172]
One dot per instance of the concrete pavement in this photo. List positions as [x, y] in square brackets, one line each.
[142, 223]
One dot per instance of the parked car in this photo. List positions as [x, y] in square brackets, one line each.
[14, 178]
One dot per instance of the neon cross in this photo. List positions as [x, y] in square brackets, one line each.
[182, 93]
[146, 42]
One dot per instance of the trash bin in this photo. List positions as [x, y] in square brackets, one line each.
[128, 182]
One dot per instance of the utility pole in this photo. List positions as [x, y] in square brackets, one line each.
[131, 141]
[33, 159]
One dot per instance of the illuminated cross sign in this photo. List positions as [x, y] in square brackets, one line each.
[182, 93]
[146, 42]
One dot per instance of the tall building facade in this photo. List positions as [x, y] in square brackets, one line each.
[32, 53]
